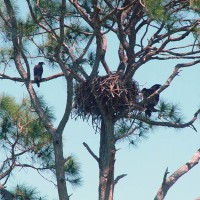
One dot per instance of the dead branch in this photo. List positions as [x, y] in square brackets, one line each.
[171, 180]
[103, 61]
[166, 124]
[119, 177]
[91, 152]
[82, 12]
[17, 79]
[165, 176]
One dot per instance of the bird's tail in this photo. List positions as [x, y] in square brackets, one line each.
[38, 83]
[37, 80]
[148, 112]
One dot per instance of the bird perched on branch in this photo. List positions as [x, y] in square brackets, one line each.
[38, 71]
[150, 104]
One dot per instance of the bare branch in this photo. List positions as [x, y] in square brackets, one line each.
[17, 79]
[173, 75]
[91, 152]
[171, 180]
[167, 124]
[165, 176]
[103, 61]
[100, 43]
[82, 12]
[119, 177]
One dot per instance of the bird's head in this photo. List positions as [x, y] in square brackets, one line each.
[41, 63]
[155, 87]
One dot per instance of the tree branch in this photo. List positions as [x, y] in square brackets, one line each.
[68, 107]
[82, 12]
[119, 177]
[91, 152]
[40, 24]
[103, 61]
[130, 132]
[171, 180]
[8, 171]
[167, 124]
[18, 79]
[163, 87]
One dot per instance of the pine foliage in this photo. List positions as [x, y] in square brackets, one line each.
[72, 171]
[21, 126]
[24, 192]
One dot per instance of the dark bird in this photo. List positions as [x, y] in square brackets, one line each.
[38, 70]
[150, 104]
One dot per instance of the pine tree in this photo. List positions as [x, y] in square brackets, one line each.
[25, 143]
[73, 36]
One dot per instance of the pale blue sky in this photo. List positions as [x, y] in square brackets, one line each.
[145, 164]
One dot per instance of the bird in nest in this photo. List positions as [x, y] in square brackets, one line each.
[151, 103]
[38, 71]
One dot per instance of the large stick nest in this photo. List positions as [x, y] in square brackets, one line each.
[108, 91]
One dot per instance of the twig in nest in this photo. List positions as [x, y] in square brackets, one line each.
[110, 91]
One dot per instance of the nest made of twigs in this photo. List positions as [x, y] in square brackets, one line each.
[109, 91]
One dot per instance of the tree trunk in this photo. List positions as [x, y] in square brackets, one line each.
[106, 160]
[59, 167]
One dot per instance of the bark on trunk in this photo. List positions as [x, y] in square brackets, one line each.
[106, 160]
[59, 163]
